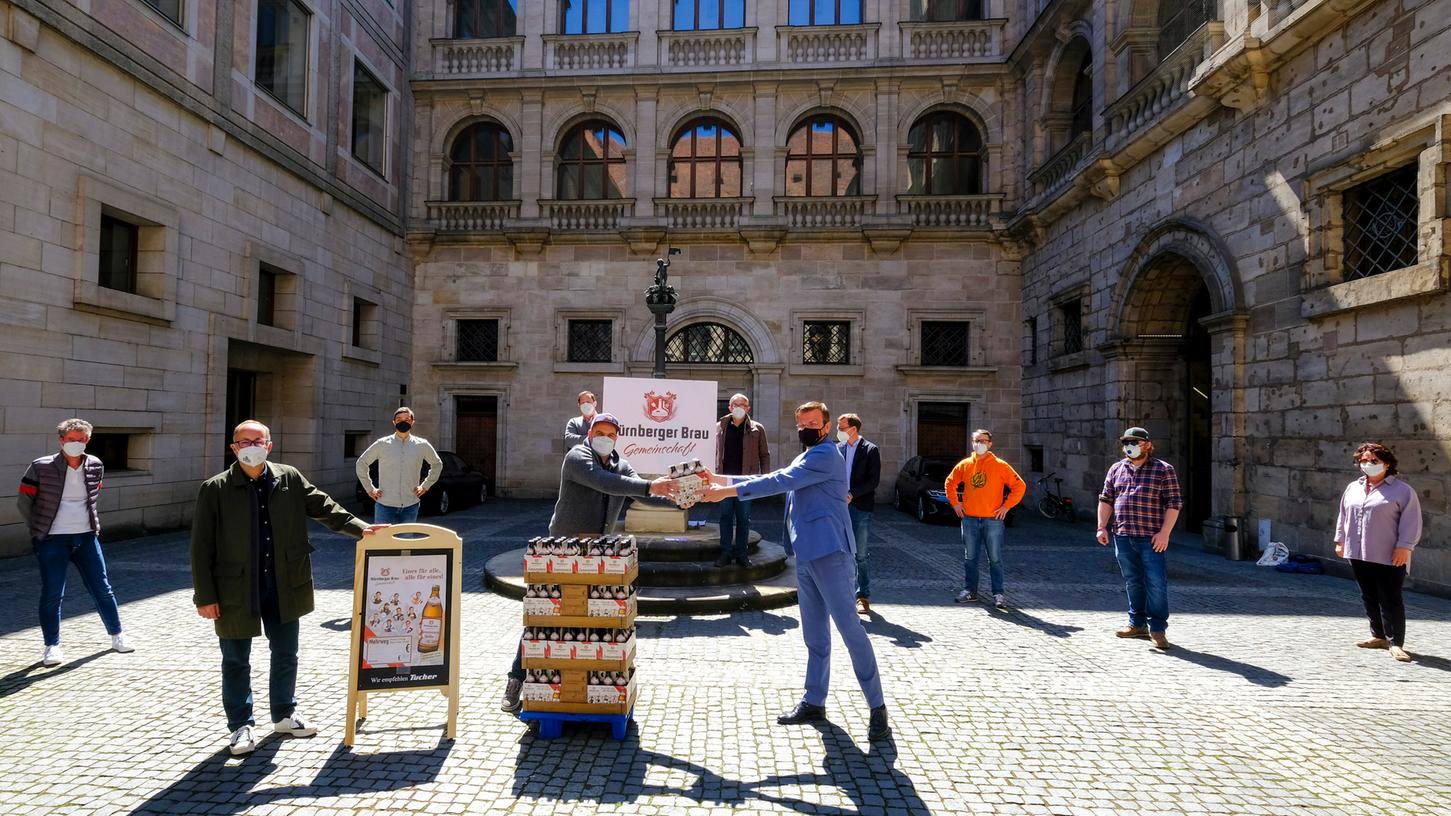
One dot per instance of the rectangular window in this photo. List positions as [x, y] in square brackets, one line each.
[354, 443]
[946, 11]
[1035, 458]
[708, 15]
[370, 118]
[478, 341]
[1070, 315]
[591, 341]
[112, 449]
[826, 342]
[1031, 326]
[1380, 224]
[944, 343]
[824, 12]
[119, 241]
[267, 295]
[282, 27]
[594, 16]
[483, 19]
[365, 324]
[170, 9]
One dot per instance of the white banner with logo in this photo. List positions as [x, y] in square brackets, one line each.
[663, 422]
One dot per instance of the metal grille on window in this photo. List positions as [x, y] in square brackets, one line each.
[1380, 224]
[478, 341]
[1072, 315]
[708, 343]
[826, 342]
[944, 343]
[591, 341]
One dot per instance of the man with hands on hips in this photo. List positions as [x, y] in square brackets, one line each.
[819, 533]
[1141, 495]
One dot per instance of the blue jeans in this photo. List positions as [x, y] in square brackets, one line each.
[384, 514]
[861, 529]
[237, 670]
[56, 553]
[1146, 581]
[978, 533]
[735, 527]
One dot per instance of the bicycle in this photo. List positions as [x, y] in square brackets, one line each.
[1053, 503]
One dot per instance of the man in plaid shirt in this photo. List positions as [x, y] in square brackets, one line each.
[1141, 494]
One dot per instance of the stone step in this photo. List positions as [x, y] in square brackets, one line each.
[767, 562]
[699, 544]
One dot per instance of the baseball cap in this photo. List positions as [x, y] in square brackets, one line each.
[610, 418]
[1134, 434]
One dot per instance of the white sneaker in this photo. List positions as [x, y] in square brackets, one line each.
[121, 643]
[1001, 602]
[966, 596]
[242, 741]
[53, 656]
[295, 726]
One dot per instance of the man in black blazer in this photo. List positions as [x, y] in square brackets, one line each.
[864, 471]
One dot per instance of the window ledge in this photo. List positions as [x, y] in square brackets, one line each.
[957, 370]
[1069, 362]
[363, 355]
[92, 297]
[613, 367]
[827, 370]
[1412, 281]
[456, 366]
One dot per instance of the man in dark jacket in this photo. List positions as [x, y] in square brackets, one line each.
[864, 471]
[252, 573]
[741, 449]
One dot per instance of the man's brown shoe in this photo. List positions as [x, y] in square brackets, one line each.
[1132, 632]
[1161, 641]
[863, 606]
[1373, 643]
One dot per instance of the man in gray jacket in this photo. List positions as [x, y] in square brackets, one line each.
[400, 457]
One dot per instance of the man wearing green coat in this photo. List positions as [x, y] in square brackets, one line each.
[252, 573]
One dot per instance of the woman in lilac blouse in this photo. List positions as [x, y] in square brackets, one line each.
[1378, 526]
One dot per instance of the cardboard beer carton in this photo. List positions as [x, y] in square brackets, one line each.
[612, 692]
[612, 607]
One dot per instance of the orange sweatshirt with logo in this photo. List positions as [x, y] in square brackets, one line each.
[983, 480]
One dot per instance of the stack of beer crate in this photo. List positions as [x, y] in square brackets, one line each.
[579, 624]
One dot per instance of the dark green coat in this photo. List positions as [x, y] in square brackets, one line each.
[223, 565]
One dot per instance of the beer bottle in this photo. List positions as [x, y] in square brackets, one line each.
[430, 629]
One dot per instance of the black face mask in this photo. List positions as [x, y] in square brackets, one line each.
[403, 427]
[809, 436]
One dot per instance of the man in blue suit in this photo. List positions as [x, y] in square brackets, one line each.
[819, 532]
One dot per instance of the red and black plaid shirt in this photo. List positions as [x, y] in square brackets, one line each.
[1140, 495]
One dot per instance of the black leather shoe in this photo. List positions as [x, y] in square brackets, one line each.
[723, 561]
[804, 713]
[742, 561]
[879, 728]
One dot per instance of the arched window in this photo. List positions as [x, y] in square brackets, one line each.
[592, 162]
[481, 19]
[707, 15]
[824, 12]
[946, 11]
[944, 156]
[708, 343]
[705, 161]
[1081, 110]
[479, 167]
[593, 16]
[823, 158]
[1180, 18]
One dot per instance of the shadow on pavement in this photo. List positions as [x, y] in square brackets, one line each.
[739, 624]
[1031, 621]
[877, 624]
[1255, 674]
[1429, 661]
[223, 784]
[22, 679]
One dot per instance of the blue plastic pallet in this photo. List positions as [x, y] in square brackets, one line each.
[551, 723]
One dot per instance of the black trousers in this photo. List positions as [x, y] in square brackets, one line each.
[1380, 589]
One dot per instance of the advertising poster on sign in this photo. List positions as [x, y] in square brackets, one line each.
[405, 620]
[665, 422]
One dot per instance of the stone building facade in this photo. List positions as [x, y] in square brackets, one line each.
[1234, 226]
[194, 228]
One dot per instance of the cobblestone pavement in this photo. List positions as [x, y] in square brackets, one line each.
[1264, 707]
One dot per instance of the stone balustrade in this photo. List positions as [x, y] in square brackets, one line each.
[702, 213]
[685, 49]
[590, 52]
[1163, 89]
[815, 212]
[471, 216]
[586, 216]
[1058, 167]
[965, 40]
[805, 45]
[966, 211]
[452, 58]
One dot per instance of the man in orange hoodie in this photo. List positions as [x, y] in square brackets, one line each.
[989, 488]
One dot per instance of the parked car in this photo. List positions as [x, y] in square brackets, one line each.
[919, 490]
[460, 486]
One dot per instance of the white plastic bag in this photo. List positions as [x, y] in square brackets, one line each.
[1275, 554]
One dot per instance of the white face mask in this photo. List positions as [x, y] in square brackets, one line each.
[252, 456]
[74, 448]
[843, 437]
[586, 408]
[1373, 469]
[1133, 451]
[738, 413]
[603, 445]
[979, 448]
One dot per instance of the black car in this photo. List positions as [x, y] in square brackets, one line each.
[919, 488]
[460, 486]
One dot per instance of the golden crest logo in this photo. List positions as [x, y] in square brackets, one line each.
[660, 407]
[979, 479]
